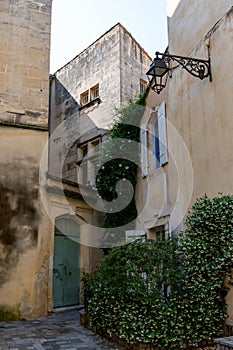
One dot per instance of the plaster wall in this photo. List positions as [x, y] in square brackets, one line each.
[25, 238]
[199, 121]
[191, 20]
[24, 88]
[151, 190]
[201, 111]
[204, 120]
[199, 129]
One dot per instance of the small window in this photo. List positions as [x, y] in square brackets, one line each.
[94, 170]
[88, 162]
[84, 97]
[84, 173]
[161, 232]
[94, 92]
[95, 147]
[84, 151]
[143, 85]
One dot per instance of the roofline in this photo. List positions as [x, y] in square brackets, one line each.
[134, 40]
[108, 31]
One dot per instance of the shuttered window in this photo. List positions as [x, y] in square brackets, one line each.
[144, 156]
[161, 137]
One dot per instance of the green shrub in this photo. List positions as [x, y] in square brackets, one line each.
[135, 286]
[163, 293]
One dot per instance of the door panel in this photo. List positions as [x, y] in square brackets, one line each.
[65, 271]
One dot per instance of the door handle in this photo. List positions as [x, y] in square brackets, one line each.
[65, 270]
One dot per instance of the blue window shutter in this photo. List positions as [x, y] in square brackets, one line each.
[162, 134]
[157, 152]
[144, 160]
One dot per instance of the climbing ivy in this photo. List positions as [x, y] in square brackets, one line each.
[168, 293]
[115, 168]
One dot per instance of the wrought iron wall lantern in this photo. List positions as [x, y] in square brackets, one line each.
[161, 68]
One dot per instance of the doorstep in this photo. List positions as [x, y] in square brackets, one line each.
[58, 310]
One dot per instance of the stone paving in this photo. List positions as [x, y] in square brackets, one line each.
[60, 331]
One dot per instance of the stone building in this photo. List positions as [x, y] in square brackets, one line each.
[85, 95]
[48, 220]
[192, 119]
[24, 91]
[88, 90]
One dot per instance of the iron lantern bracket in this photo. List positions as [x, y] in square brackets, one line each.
[197, 67]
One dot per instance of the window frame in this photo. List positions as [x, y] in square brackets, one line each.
[93, 91]
[142, 86]
[144, 153]
[90, 95]
[88, 160]
[83, 99]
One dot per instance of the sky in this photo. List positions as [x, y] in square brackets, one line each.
[76, 24]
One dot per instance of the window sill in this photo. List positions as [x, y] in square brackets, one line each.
[90, 103]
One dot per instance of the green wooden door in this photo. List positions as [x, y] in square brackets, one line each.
[66, 264]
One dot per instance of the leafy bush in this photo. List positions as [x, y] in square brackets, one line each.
[135, 286]
[207, 248]
[163, 293]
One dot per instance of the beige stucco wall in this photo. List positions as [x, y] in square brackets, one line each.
[199, 129]
[191, 20]
[199, 119]
[201, 111]
[25, 240]
[150, 190]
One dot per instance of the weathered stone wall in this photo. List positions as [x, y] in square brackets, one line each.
[99, 63]
[135, 62]
[24, 61]
[116, 62]
[25, 238]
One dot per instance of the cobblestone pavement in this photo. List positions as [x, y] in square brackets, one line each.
[60, 331]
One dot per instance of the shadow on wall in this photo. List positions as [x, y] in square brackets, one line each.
[19, 215]
[67, 126]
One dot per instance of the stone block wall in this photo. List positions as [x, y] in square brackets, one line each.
[116, 62]
[135, 62]
[24, 61]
